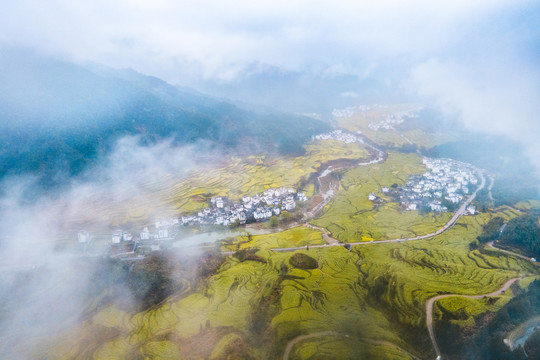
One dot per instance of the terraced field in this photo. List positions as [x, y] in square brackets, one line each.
[366, 302]
[298, 236]
[372, 296]
[389, 137]
[256, 174]
[234, 178]
[351, 217]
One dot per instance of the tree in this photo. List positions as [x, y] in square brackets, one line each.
[523, 232]
[274, 222]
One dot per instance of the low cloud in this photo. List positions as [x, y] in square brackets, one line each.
[43, 276]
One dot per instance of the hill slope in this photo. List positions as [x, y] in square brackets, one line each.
[57, 116]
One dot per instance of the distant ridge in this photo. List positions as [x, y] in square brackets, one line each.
[56, 116]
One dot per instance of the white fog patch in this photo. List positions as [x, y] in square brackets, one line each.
[489, 96]
[42, 286]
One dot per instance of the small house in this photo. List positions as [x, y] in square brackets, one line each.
[145, 233]
[83, 236]
[116, 237]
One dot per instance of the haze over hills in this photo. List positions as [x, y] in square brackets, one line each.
[57, 116]
[162, 195]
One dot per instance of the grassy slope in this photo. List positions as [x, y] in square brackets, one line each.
[298, 236]
[235, 178]
[392, 138]
[256, 174]
[338, 296]
[352, 217]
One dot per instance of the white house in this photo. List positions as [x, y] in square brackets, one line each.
[435, 206]
[116, 237]
[145, 233]
[242, 217]
[219, 203]
[83, 236]
[289, 205]
[372, 196]
[163, 233]
[126, 236]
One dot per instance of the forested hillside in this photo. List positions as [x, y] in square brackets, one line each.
[56, 116]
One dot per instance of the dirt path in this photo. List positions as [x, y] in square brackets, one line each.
[296, 340]
[431, 301]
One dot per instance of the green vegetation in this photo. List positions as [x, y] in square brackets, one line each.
[41, 136]
[249, 254]
[253, 175]
[368, 300]
[303, 261]
[255, 302]
[515, 177]
[420, 133]
[296, 237]
[462, 311]
[524, 233]
[527, 205]
[351, 217]
[342, 347]
[233, 178]
[486, 342]
[491, 230]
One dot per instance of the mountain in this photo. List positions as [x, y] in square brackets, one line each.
[57, 116]
[311, 90]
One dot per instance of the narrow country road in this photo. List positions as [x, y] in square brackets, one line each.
[491, 245]
[431, 301]
[462, 209]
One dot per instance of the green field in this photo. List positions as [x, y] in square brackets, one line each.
[351, 217]
[367, 302]
[390, 137]
[374, 294]
[232, 177]
[295, 237]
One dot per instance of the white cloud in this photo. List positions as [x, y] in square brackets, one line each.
[486, 50]
[224, 36]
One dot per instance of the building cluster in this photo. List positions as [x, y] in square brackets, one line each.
[353, 110]
[339, 135]
[221, 211]
[391, 120]
[164, 229]
[445, 184]
[259, 207]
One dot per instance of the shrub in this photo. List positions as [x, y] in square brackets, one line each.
[303, 261]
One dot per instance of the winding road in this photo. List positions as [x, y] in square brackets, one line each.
[330, 193]
[491, 245]
[462, 209]
[431, 301]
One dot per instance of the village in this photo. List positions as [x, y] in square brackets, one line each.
[440, 189]
[259, 207]
[353, 110]
[220, 212]
[339, 135]
[393, 119]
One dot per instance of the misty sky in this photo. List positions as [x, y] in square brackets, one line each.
[477, 59]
